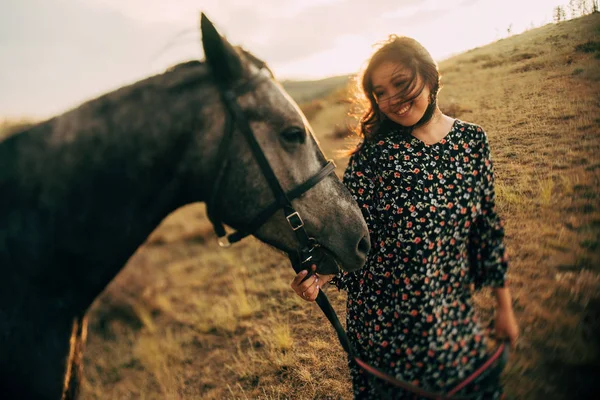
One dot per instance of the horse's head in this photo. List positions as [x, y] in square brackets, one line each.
[240, 189]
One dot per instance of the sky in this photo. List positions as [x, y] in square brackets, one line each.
[56, 54]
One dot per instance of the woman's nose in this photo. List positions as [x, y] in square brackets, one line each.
[394, 99]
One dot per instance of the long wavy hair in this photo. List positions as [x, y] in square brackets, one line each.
[410, 54]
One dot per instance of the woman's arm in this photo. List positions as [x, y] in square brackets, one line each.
[488, 259]
[487, 254]
[503, 298]
[505, 323]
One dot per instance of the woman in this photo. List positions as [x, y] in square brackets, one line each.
[424, 182]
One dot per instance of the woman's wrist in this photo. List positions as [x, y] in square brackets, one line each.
[503, 299]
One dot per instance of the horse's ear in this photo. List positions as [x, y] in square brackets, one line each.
[221, 57]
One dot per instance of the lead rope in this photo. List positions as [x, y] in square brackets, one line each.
[331, 315]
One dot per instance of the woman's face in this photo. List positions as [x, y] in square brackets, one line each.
[389, 80]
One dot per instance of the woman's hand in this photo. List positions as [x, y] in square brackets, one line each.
[309, 289]
[506, 325]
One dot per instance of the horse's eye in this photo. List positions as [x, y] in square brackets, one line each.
[294, 134]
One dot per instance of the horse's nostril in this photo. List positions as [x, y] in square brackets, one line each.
[364, 245]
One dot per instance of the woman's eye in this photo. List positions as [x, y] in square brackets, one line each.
[293, 135]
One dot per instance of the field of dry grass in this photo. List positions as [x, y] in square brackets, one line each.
[188, 320]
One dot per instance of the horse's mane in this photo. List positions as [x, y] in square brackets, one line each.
[185, 64]
[254, 60]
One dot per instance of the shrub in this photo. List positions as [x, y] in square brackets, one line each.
[522, 56]
[493, 63]
[532, 66]
[453, 110]
[588, 47]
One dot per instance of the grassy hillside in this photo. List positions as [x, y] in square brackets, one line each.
[306, 91]
[188, 320]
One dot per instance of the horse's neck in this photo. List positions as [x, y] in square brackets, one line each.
[82, 191]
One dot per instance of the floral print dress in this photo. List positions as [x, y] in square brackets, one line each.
[434, 232]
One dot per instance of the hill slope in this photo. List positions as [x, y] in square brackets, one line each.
[186, 319]
[305, 91]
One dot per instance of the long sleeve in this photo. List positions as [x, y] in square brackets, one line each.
[486, 248]
[358, 180]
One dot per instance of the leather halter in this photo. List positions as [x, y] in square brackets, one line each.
[236, 117]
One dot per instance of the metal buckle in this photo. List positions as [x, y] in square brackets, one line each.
[298, 223]
[224, 241]
[307, 259]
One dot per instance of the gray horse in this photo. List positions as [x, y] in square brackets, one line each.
[79, 194]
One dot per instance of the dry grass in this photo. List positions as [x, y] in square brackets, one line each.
[188, 320]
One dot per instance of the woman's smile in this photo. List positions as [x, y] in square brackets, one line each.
[404, 109]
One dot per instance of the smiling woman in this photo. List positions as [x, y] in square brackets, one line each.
[424, 182]
[401, 82]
